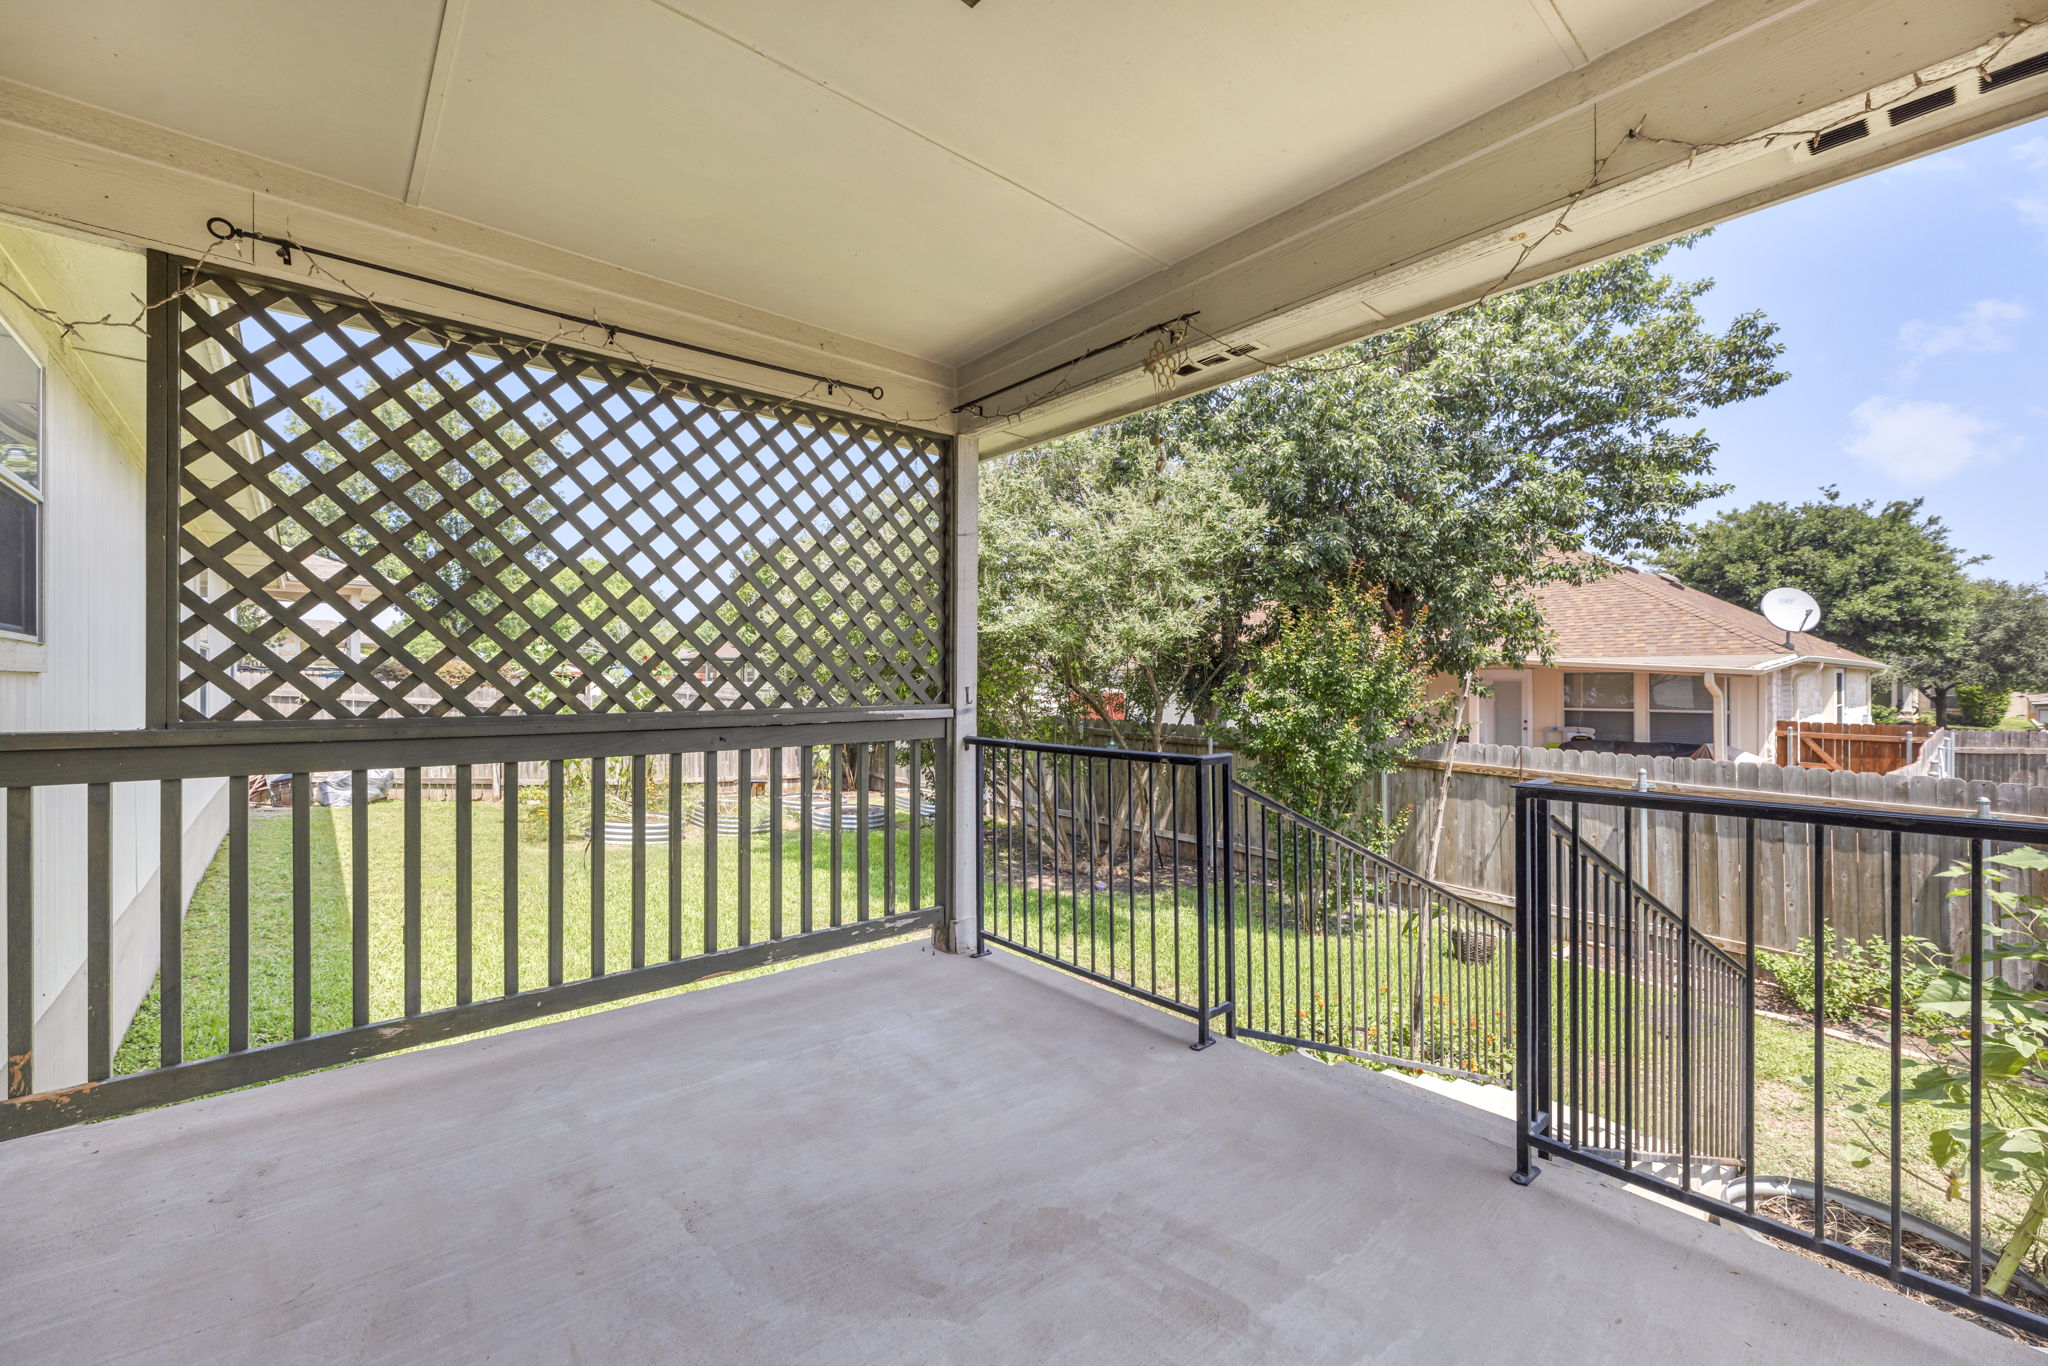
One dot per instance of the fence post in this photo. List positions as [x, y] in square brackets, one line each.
[1203, 844]
[1530, 815]
[1227, 783]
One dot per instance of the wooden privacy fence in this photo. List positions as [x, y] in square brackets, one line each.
[1846, 747]
[2002, 756]
[1477, 853]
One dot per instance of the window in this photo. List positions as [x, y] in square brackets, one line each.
[21, 489]
[1602, 703]
[1681, 709]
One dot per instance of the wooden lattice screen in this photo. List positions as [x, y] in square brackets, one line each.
[382, 516]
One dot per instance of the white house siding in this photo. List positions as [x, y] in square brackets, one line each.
[88, 675]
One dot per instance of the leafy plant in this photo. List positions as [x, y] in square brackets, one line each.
[1982, 706]
[1858, 974]
[2011, 1138]
[1335, 700]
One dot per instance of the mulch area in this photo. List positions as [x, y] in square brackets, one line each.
[1929, 1258]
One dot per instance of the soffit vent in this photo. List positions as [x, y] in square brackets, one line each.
[1926, 104]
[2018, 71]
[1835, 137]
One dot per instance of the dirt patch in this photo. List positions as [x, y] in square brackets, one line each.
[1920, 1254]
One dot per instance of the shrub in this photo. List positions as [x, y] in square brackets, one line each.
[1859, 973]
[1980, 706]
[1883, 715]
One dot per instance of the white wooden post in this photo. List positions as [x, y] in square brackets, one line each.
[963, 814]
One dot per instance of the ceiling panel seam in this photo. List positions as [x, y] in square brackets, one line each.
[922, 136]
[440, 76]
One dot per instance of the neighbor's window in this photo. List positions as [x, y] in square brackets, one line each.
[1681, 709]
[1604, 703]
[21, 488]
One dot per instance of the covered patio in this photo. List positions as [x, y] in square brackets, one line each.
[609, 384]
[889, 1157]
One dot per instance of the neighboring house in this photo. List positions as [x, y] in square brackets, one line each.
[1640, 657]
[71, 613]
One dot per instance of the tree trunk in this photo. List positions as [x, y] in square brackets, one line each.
[1443, 788]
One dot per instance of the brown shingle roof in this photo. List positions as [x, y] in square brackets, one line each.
[1636, 614]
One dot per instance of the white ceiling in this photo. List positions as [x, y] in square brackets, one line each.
[914, 173]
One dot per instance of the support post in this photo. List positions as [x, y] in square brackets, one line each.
[955, 930]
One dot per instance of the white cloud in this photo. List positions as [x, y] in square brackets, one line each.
[1982, 328]
[1915, 441]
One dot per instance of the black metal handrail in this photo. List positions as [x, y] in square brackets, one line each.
[292, 971]
[1585, 1028]
[1083, 862]
[1348, 952]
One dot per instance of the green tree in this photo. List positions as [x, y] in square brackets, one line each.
[1104, 563]
[1454, 464]
[1889, 581]
[1334, 700]
[2001, 645]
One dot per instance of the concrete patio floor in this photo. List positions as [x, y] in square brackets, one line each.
[890, 1157]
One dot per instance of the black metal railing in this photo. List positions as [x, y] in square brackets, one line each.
[340, 913]
[1345, 951]
[1882, 1108]
[1105, 862]
[1638, 982]
[1162, 876]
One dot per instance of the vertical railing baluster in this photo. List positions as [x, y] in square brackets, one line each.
[1818, 838]
[1749, 1012]
[302, 905]
[710, 944]
[889, 827]
[807, 782]
[413, 927]
[743, 849]
[674, 804]
[1898, 932]
[359, 897]
[600, 856]
[638, 780]
[1685, 1001]
[838, 864]
[464, 892]
[982, 815]
[21, 942]
[170, 864]
[1977, 900]
[917, 823]
[775, 762]
[99, 927]
[238, 913]
[509, 909]
[863, 779]
[557, 874]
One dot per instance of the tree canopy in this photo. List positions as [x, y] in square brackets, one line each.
[1889, 581]
[1448, 466]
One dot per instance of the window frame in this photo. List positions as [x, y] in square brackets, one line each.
[1629, 712]
[36, 495]
[1700, 690]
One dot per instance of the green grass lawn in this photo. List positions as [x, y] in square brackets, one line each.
[331, 883]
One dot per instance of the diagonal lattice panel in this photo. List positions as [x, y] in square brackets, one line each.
[381, 516]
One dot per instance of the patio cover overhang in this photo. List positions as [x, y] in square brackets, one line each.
[944, 200]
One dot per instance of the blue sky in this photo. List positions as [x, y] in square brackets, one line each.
[1913, 305]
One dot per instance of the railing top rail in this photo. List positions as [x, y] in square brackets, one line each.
[116, 756]
[1351, 845]
[1143, 756]
[1795, 811]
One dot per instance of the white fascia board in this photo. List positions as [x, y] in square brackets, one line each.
[1738, 86]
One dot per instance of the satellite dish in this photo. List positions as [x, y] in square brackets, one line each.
[1790, 609]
